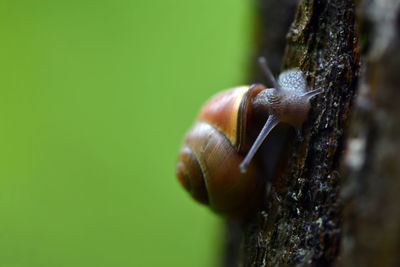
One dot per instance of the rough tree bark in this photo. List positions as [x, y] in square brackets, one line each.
[371, 229]
[333, 199]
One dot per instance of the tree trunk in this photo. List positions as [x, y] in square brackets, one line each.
[333, 198]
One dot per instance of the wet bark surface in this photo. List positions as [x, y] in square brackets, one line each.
[333, 200]
[301, 221]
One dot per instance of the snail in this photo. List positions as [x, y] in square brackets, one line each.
[215, 163]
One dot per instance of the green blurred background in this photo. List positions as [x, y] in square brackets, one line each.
[95, 97]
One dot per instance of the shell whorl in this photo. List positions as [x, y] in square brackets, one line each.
[190, 175]
[231, 112]
[212, 148]
[222, 112]
[229, 191]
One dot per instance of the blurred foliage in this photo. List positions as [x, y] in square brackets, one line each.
[95, 97]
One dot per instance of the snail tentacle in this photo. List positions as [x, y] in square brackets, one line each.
[272, 121]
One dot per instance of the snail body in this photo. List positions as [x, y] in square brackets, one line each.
[215, 161]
